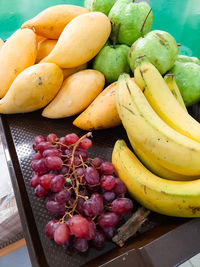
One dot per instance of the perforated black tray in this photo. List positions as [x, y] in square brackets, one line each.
[18, 132]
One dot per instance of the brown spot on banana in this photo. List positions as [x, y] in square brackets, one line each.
[194, 209]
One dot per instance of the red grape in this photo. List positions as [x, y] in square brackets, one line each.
[85, 143]
[62, 196]
[108, 196]
[80, 171]
[122, 206]
[50, 228]
[57, 183]
[76, 162]
[62, 143]
[52, 138]
[55, 207]
[64, 170]
[35, 180]
[38, 139]
[107, 182]
[96, 162]
[43, 146]
[79, 206]
[92, 229]
[61, 233]
[71, 139]
[51, 152]
[81, 244]
[39, 166]
[53, 162]
[81, 153]
[108, 219]
[45, 180]
[36, 156]
[91, 176]
[107, 168]
[67, 152]
[109, 232]
[79, 226]
[93, 206]
[120, 187]
[40, 191]
[99, 240]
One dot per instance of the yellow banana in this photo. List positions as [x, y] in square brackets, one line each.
[164, 103]
[171, 83]
[173, 198]
[169, 148]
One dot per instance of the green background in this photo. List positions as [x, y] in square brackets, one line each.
[181, 18]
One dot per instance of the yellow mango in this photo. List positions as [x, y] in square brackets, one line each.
[1, 43]
[39, 38]
[33, 89]
[68, 72]
[52, 20]
[44, 48]
[76, 93]
[81, 40]
[101, 113]
[18, 53]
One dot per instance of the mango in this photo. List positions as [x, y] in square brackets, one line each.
[68, 72]
[33, 89]
[44, 48]
[18, 53]
[76, 93]
[81, 40]
[40, 38]
[1, 43]
[52, 20]
[101, 113]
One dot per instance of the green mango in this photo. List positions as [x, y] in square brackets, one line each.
[187, 75]
[131, 17]
[183, 58]
[103, 6]
[112, 61]
[159, 47]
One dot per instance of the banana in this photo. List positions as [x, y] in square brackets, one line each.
[164, 103]
[169, 148]
[173, 198]
[171, 83]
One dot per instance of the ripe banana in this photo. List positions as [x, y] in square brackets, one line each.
[164, 103]
[171, 83]
[173, 198]
[169, 148]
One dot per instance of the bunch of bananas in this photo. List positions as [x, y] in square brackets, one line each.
[164, 137]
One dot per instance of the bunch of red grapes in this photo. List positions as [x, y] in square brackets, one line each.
[82, 192]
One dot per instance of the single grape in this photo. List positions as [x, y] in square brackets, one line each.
[122, 206]
[40, 191]
[79, 226]
[52, 138]
[81, 244]
[76, 161]
[91, 176]
[99, 240]
[67, 151]
[96, 162]
[62, 144]
[107, 168]
[50, 228]
[80, 171]
[39, 166]
[92, 229]
[108, 196]
[38, 139]
[81, 153]
[51, 152]
[109, 232]
[79, 206]
[71, 139]
[45, 180]
[36, 156]
[120, 187]
[57, 183]
[107, 182]
[43, 146]
[53, 162]
[55, 207]
[93, 206]
[62, 196]
[86, 143]
[64, 170]
[69, 242]
[61, 233]
[108, 219]
[35, 180]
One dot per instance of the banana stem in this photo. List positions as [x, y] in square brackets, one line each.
[142, 28]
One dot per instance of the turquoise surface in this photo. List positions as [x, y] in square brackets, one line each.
[181, 18]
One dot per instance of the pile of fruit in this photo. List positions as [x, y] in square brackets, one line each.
[82, 191]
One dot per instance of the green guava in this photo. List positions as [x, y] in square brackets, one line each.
[103, 6]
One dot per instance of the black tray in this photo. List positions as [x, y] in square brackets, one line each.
[18, 132]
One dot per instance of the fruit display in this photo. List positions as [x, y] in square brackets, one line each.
[76, 93]
[84, 194]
